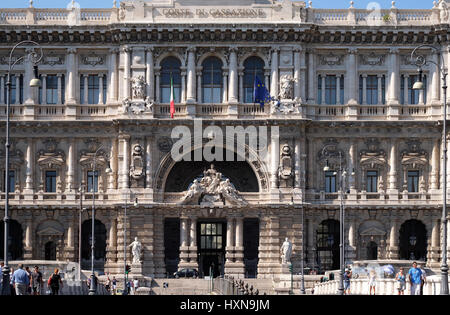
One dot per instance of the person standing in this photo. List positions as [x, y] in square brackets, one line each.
[372, 281]
[423, 279]
[401, 281]
[114, 285]
[36, 281]
[55, 282]
[347, 278]
[27, 269]
[11, 286]
[108, 285]
[135, 285]
[415, 278]
[20, 281]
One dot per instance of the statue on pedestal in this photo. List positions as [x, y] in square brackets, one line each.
[136, 249]
[286, 251]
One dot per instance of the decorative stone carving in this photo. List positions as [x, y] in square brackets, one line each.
[372, 59]
[330, 59]
[212, 189]
[286, 87]
[373, 157]
[137, 171]
[443, 13]
[136, 250]
[4, 60]
[50, 157]
[15, 155]
[286, 251]
[86, 157]
[285, 107]
[165, 144]
[285, 172]
[138, 87]
[414, 157]
[93, 59]
[51, 59]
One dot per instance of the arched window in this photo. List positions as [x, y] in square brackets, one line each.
[253, 67]
[100, 241]
[212, 80]
[170, 68]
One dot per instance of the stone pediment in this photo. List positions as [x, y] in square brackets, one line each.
[50, 231]
[415, 160]
[373, 159]
[87, 159]
[373, 231]
[51, 160]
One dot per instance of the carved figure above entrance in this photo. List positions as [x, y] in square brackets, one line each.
[212, 189]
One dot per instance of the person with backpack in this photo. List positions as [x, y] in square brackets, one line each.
[54, 282]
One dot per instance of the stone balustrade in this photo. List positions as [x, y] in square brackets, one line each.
[383, 287]
[244, 111]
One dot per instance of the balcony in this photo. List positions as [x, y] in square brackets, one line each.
[225, 111]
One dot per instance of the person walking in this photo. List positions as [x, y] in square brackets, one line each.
[108, 285]
[27, 269]
[347, 278]
[372, 281]
[36, 281]
[55, 282]
[423, 279]
[415, 278]
[114, 285]
[20, 281]
[401, 281]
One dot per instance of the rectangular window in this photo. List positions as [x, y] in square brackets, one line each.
[14, 93]
[413, 181]
[93, 89]
[50, 181]
[52, 89]
[330, 89]
[165, 94]
[372, 181]
[92, 181]
[372, 90]
[413, 95]
[11, 180]
[330, 182]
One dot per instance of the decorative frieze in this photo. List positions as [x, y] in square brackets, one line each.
[93, 59]
[372, 59]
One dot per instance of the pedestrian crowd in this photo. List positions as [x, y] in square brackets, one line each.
[416, 277]
[23, 281]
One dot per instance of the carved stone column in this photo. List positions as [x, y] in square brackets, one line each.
[27, 90]
[184, 255]
[352, 85]
[352, 239]
[59, 75]
[191, 76]
[112, 95]
[434, 256]
[229, 249]
[233, 78]
[29, 170]
[311, 78]
[393, 190]
[28, 247]
[69, 250]
[125, 169]
[275, 161]
[111, 248]
[126, 52]
[274, 73]
[434, 176]
[297, 93]
[193, 243]
[70, 166]
[71, 74]
[393, 77]
[393, 239]
[148, 164]
[435, 80]
[100, 89]
[149, 73]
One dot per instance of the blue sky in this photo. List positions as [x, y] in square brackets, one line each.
[335, 4]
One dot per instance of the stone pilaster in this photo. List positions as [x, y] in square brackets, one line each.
[274, 73]
[28, 247]
[184, 248]
[393, 251]
[150, 74]
[148, 242]
[158, 245]
[435, 249]
[29, 170]
[124, 147]
[193, 243]
[392, 184]
[71, 74]
[112, 80]
[269, 248]
[393, 84]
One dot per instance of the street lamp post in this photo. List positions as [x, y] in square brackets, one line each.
[125, 290]
[342, 173]
[93, 285]
[35, 82]
[302, 265]
[420, 61]
[80, 190]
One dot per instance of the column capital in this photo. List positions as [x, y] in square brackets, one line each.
[394, 50]
[127, 49]
[298, 49]
[114, 50]
[59, 75]
[352, 51]
[149, 49]
[275, 49]
[71, 50]
[191, 49]
[233, 49]
[364, 75]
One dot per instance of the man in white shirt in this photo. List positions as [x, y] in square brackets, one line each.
[135, 285]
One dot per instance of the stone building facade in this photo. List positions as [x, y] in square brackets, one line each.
[342, 84]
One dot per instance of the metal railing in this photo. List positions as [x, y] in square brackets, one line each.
[228, 286]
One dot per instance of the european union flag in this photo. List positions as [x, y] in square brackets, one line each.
[261, 94]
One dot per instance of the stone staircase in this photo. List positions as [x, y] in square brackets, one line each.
[181, 286]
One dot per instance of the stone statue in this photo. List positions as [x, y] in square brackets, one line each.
[286, 87]
[193, 194]
[286, 251]
[136, 249]
[230, 193]
[137, 86]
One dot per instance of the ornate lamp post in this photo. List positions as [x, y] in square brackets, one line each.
[93, 286]
[342, 174]
[35, 82]
[420, 61]
[125, 271]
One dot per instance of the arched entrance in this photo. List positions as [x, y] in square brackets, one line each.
[50, 251]
[328, 245]
[171, 244]
[14, 241]
[413, 240]
[100, 244]
[251, 244]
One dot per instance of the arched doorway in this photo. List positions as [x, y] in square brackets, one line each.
[15, 240]
[413, 240]
[171, 244]
[328, 245]
[372, 251]
[50, 251]
[251, 244]
[99, 244]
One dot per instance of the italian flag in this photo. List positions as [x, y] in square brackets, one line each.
[172, 101]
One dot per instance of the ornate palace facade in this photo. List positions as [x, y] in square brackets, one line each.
[342, 80]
